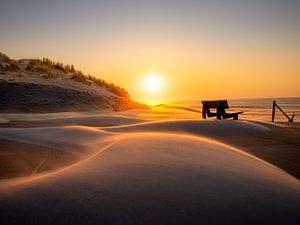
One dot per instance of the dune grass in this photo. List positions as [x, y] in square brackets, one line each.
[50, 70]
[7, 64]
[39, 66]
[48, 66]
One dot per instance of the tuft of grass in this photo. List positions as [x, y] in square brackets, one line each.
[66, 68]
[110, 86]
[37, 65]
[118, 90]
[79, 76]
[8, 64]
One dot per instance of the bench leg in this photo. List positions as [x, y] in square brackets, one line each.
[219, 114]
[234, 116]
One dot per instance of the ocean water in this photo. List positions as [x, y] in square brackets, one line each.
[260, 109]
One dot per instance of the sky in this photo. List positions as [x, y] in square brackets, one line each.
[199, 49]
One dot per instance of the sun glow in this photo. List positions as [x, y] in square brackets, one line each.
[152, 83]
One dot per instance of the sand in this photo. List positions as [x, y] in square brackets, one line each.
[151, 167]
[40, 97]
[19, 159]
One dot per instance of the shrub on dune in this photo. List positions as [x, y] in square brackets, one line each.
[7, 64]
[79, 76]
[36, 65]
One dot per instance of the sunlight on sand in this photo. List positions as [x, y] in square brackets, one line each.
[85, 141]
[162, 159]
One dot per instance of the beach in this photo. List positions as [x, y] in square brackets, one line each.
[164, 165]
[150, 112]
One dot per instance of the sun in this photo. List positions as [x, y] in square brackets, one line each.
[152, 83]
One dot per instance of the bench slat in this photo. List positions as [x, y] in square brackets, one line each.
[216, 104]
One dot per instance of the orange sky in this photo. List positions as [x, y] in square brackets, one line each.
[201, 49]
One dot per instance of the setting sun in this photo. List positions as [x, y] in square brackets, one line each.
[152, 83]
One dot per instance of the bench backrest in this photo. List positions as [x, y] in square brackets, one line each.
[217, 104]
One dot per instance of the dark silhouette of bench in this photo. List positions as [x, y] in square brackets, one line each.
[220, 106]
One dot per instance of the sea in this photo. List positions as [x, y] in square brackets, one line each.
[257, 108]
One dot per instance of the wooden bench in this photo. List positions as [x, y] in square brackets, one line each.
[220, 106]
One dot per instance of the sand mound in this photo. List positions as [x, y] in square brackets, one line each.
[19, 159]
[35, 97]
[34, 85]
[207, 128]
[93, 119]
[154, 178]
[75, 139]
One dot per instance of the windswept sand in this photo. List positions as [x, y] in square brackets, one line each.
[19, 159]
[166, 170]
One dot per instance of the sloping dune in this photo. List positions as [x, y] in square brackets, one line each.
[19, 159]
[207, 128]
[92, 119]
[75, 139]
[150, 178]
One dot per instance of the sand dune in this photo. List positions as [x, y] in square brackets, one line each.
[33, 85]
[76, 139]
[179, 179]
[92, 119]
[19, 159]
[154, 172]
[208, 128]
